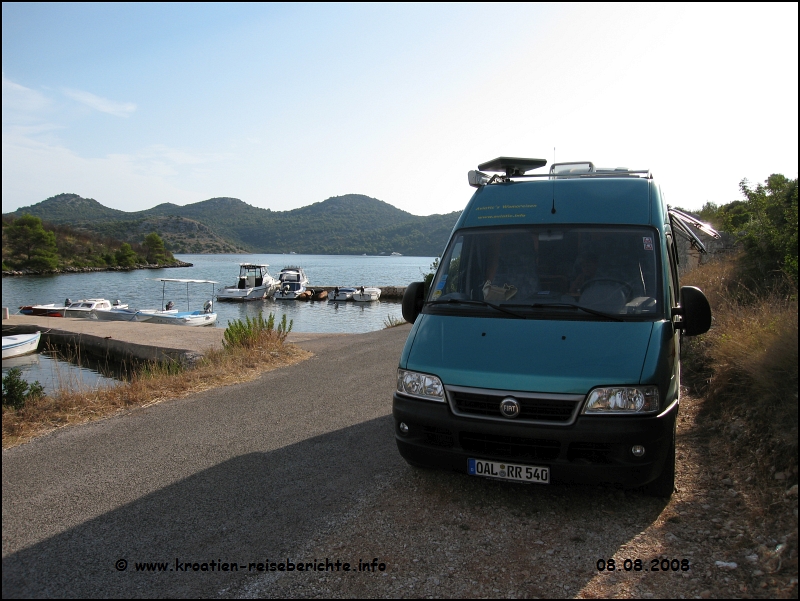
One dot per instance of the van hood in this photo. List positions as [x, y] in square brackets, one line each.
[532, 355]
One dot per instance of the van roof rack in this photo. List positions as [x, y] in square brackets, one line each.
[513, 167]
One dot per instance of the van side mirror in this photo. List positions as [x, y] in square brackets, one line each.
[695, 310]
[413, 299]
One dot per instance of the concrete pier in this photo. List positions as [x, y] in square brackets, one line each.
[121, 341]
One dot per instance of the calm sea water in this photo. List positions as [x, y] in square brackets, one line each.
[141, 291]
[56, 374]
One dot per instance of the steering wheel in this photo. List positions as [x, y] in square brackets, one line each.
[622, 283]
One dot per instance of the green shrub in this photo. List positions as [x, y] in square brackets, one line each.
[766, 225]
[17, 391]
[249, 331]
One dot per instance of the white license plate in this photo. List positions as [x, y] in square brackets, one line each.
[508, 471]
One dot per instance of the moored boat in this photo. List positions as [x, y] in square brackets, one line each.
[364, 295]
[115, 314]
[254, 283]
[20, 344]
[172, 316]
[292, 283]
[341, 294]
[49, 310]
[87, 307]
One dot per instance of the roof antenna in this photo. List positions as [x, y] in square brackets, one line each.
[553, 210]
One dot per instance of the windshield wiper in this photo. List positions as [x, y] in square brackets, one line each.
[479, 303]
[586, 309]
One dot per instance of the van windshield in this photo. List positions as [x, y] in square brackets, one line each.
[555, 271]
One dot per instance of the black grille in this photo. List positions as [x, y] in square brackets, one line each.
[590, 452]
[510, 446]
[532, 409]
[438, 437]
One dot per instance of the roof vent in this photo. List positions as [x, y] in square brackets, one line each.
[573, 168]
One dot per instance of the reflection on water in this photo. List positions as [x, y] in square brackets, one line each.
[140, 291]
[55, 373]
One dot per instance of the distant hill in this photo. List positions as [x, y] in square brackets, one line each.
[349, 224]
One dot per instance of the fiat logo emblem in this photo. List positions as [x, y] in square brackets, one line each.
[509, 407]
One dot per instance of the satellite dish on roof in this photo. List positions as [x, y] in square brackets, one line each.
[512, 166]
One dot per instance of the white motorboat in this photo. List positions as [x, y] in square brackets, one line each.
[171, 316]
[115, 314]
[365, 295]
[292, 282]
[341, 294]
[254, 283]
[20, 344]
[87, 307]
[178, 318]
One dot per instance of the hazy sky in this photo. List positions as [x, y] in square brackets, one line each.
[284, 105]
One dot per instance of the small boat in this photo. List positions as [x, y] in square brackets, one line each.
[20, 344]
[292, 282]
[178, 318]
[255, 283]
[365, 295]
[172, 316]
[341, 294]
[87, 307]
[115, 314]
[50, 310]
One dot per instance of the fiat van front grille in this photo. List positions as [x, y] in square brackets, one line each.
[551, 409]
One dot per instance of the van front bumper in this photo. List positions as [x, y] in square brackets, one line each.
[593, 450]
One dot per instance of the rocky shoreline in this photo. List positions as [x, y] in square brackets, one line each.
[23, 272]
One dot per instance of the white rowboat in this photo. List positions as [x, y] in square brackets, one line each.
[21, 344]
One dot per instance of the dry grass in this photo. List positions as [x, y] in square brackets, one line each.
[746, 368]
[392, 322]
[150, 385]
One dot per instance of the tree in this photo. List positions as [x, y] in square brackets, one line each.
[766, 223]
[156, 253]
[28, 238]
[125, 256]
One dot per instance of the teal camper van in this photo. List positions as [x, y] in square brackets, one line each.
[546, 348]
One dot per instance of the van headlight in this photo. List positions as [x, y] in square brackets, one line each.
[623, 400]
[423, 386]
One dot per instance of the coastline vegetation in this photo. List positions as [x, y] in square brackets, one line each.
[265, 350]
[30, 244]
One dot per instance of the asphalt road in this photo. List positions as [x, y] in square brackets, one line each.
[241, 474]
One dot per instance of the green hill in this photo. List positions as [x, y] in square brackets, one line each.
[349, 224]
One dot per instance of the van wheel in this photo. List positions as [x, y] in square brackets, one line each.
[664, 485]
